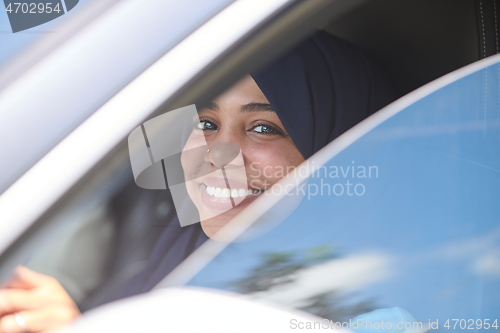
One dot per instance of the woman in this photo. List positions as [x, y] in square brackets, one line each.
[289, 111]
[278, 118]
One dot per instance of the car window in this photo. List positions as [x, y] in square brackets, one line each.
[400, 212]
[94, 236]
[101, 232]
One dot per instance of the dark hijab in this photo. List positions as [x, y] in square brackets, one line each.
[319, 90]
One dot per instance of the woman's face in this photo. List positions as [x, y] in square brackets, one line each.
[243, 116]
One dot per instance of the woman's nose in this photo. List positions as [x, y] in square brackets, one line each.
[221, 154]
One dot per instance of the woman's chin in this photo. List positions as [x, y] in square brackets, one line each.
[212, 221]
[212, 225]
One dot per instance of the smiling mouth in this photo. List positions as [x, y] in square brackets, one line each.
[219, 192]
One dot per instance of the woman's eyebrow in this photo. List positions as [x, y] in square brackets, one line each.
[253, 107]
[209, 105]
[250, 107]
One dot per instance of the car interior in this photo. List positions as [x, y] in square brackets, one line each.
[102, 232]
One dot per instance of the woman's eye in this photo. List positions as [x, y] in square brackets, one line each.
[206, 125]
[266, 129]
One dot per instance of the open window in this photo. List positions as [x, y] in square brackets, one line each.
[93, 228]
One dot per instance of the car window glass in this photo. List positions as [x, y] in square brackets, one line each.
[104, 231]
[404, 217]
[421, 184]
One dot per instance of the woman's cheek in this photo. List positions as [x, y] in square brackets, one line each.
[285, 158]
[269, 164]
[194, 140]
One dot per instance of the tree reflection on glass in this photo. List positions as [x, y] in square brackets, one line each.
[281, 269]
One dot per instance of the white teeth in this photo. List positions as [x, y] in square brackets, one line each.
[210, 190]
[225, 193]
[219, 192]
